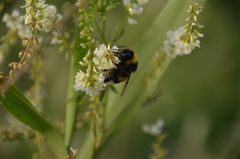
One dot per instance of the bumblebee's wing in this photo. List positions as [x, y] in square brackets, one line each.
[125, 86]
[118, 50]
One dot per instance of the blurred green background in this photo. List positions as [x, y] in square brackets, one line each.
[200, 93]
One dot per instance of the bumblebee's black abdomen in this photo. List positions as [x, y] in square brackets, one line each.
[116, 76]
[131, 67]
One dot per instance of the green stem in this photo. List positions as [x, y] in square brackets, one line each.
[71, 109]
[73, 96]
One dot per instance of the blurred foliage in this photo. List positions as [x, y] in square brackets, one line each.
[199, 94]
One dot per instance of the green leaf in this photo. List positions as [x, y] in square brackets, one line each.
[19, 106]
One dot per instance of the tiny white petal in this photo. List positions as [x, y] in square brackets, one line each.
[114, 48]
[47, 25]
[14, 21]
[50, 12]
[155, 128]
[56, 38]
[132, 21]
[135, 9]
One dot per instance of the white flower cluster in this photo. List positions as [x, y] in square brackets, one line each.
[15, 22]
[32, 7]
[50, 18]
[174, 45]
[134, 7]
[104, 59]
[45, 18]
[154, 129]
[186, 38]
[91, 81]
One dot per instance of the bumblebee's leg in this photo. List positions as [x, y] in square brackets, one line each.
[125, 86]
[108, 76]
[108, 79]
[120, 76]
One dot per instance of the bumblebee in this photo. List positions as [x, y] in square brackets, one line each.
[127, 65]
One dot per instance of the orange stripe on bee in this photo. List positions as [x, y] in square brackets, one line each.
[132, 60]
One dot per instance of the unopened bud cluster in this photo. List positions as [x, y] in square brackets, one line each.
[86, 18]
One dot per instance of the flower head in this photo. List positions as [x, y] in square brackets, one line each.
[91, 81]
[132, 21]
[47, 18]
[91, 85]
[134, 8]
[14, 21]
[104, 59]
[185, 39]
[155, 128]
[174, 45]
[34, 14]
[44, 16]
[51, 12]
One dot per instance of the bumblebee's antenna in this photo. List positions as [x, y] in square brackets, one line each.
[125, 86]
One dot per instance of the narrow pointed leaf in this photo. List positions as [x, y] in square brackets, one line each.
[19, 106]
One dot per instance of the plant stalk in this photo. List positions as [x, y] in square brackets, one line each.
[71, 108]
